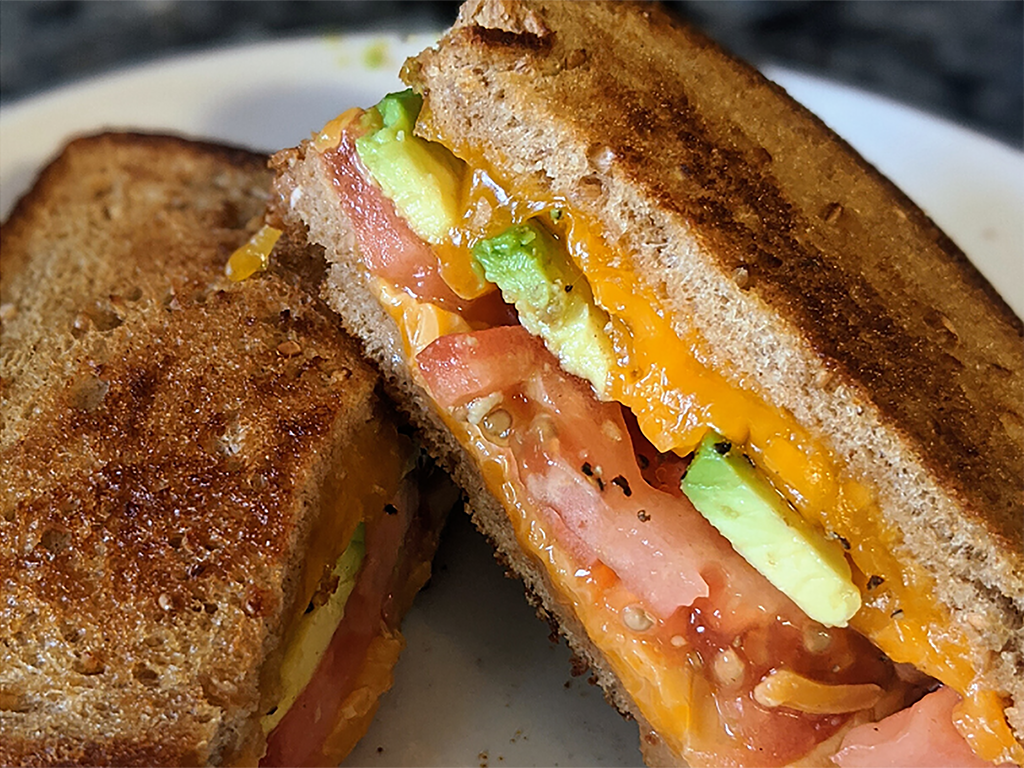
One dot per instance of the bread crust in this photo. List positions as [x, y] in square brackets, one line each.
[813, 281]
[159, 476]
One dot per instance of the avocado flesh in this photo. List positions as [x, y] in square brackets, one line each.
[769, 534]
[552, 298]
[316, 630]
[421, 178]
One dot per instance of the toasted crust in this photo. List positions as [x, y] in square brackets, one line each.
[814, 282]
[159, 474]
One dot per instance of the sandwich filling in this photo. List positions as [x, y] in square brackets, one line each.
[683, 517]
[342, 642]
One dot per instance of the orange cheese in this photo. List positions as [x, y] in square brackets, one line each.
[676, 397]
[252, 256]
[367, 476]
[660, 687]
[667, 691]
[375, 677]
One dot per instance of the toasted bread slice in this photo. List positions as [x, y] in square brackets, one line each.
[813, 280]
[172, 446]
[809, 279]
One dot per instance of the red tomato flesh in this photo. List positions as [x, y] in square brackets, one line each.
[576, 463]
[922, 736]
[390, 249]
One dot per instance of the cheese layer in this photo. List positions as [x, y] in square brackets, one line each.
[666, 691]
[665, 380]
[676, 396]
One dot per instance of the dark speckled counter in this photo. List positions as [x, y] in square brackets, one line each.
[961, 60]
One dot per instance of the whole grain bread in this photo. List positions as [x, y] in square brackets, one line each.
[814, 281]
[166, 440]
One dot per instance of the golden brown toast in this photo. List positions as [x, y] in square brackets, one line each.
[170, 440]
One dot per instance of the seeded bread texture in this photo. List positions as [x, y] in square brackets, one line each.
[167, 441]
[813, 281]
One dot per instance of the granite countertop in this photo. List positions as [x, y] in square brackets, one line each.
[961, 60]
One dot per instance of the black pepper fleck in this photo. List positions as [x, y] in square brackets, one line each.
[723, 447]
[643, 516]
[875, 581]
[620, 481]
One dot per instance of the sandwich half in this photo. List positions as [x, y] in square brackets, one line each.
[747, 424]
[210, 523]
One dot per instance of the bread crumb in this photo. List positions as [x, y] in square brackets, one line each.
[741, 276]
[288, 348]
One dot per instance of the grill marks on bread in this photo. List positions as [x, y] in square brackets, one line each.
[743, 217]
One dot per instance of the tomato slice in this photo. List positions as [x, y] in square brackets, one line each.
[575, 466]
[921, 736]
[575, 457]
[390, 249]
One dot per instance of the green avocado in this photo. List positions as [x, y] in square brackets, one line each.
[769, 534]
[421, 178]
[552, 297]
[315, 630]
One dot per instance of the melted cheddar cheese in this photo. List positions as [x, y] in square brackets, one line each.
[367, 476]
[660, 687]
[675, 402]
[676, 396]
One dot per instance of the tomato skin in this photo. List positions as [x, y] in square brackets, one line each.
[464, 366]
[922, 735]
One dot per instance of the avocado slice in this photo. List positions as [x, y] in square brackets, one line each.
[421, 178]
[552, 297]
[769, 534]
[316, 629]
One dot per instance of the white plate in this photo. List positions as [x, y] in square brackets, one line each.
[480, 683]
